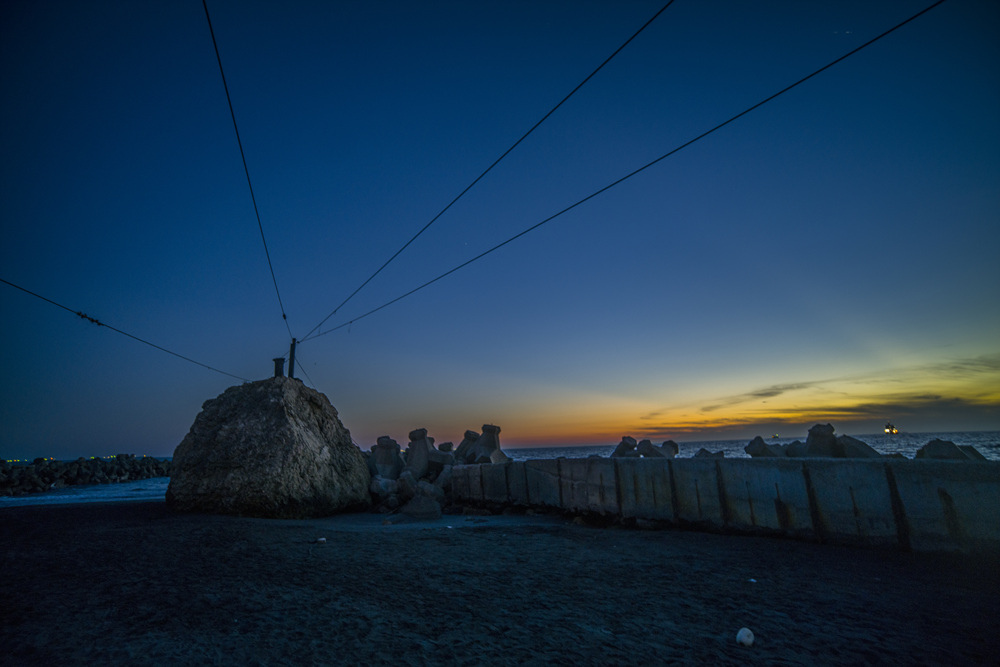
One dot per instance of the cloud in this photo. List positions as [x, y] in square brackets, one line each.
[971, 369]
[915, 412]
[766, 392]
[987, 363]
[959, 394]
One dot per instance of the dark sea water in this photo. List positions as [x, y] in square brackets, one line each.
[155, 489]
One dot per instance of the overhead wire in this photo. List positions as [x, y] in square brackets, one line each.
[298, 364]
[246, 170]
[627, 176]
[94, 320]
[486, 171]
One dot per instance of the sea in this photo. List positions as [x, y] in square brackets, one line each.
[155, 489]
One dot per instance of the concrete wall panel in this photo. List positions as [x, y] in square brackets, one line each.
[495, 482]
[573, 480]
[602, 487]
[543, 482]
[766, 494]
[949, 504]
[644, 488]
[697, 491]
[852, 500]
[460, 482]
[476, 482]
[517, 483]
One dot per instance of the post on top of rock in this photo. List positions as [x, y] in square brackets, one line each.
[272, 448]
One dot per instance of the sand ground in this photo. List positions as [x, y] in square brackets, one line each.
[136, 584]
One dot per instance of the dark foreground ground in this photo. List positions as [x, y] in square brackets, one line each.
[136, 584]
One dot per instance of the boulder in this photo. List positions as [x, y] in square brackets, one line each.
[485, 446]
[973, 453]
[407, 485]
[417, 452]
[648, 449]
[626, 448]
[499, 456]
[386, 458]
[383, 488]
[758, 449]
[431, 491]
[443, 480]
[437, 461]
[822, 443]
[705, 454]
[464, 451]
[853, 448]
[941, 449]
[796, 448]
[670, 449]
[273, 448]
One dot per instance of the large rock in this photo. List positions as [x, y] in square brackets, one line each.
[273, 448]
[852, 448]
[822, 442]
[670, 449]
[795, 449]
[438, 460]
[417, 452]
[386, 458]
[626, 448]
[486, 449]
[757, 448]
[463, 454]
[705, 454]
[946, 449]
[973, 453]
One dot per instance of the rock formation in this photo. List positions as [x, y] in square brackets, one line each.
[759, 449]
[946, 449]
[706, 454]
[273, 448]
[628, 448]
[852, 448]
[822, 443]
[417, 482]
[48, 474]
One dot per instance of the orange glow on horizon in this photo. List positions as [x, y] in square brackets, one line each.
[859, 405]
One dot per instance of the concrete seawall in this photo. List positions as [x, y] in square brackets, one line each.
[918, 505]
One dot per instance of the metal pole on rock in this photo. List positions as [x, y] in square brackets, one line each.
[291, 360]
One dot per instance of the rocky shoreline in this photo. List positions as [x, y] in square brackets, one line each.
[49, 474]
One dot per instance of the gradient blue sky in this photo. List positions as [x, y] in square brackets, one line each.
[833, 256]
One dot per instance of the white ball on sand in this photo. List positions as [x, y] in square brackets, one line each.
[744, 637]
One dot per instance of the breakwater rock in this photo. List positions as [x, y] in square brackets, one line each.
[417, 481]
[821, 443]
[48, 474]
[629, 448]
[274, 449]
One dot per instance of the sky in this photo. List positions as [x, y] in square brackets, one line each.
[829, 257]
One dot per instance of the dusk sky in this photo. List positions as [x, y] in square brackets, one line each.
[832, 256]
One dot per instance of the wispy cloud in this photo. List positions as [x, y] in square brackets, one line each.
[959, 391]
[758, 394]
[972, 368]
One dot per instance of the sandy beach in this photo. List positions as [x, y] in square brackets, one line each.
[135, 584]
